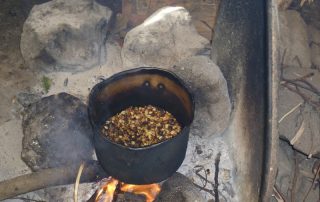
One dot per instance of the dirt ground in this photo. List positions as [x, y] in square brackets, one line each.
[15, 77]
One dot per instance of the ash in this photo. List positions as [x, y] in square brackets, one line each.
[200, 166]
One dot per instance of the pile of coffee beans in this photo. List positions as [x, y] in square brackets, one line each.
[141, 126]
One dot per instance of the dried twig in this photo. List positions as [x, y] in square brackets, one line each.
[216, 176]
[76, 185]
[293, 84]
[207, 25]
[311, 87]
[289, 112]
[301, 78]
[205, 189]
[303, 84]
[303, 96]
[278, 195]
[313, 183]
[298, 134]
[283, 56]
[204, 179]
[295, 176]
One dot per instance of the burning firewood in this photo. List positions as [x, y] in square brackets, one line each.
[112, 187]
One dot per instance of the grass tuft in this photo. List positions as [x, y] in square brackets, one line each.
[46, 83]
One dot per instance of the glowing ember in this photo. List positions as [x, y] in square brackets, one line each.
[107, 192]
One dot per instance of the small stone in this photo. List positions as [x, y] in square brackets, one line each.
[198, 149]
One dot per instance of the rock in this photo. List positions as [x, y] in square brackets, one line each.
[113, 55]
[129, 197]
[309, 141]
[162, 40]
[26, 99]
[287, 101]
[209, 87]
[302, 125]
[65, 35]
[284, 4]
[179, 188]
[56, 132]
[310, 12]
[314, 37]
[294, 41]
[315, 55]
[203, 13]
[314, 34]
[295, 174]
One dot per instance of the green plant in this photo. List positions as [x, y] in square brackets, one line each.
[46, 83]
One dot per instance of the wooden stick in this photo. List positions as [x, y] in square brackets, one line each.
[49, 177]
[291, 111]
[76, 184]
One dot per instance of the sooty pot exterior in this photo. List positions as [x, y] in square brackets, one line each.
[140, 87]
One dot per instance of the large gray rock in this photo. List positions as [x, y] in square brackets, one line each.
[179, 188]
[66, 35]
[162, 40]
[294, 40]
[210, 91]
[56, 132]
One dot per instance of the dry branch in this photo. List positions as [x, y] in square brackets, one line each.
[49, 177]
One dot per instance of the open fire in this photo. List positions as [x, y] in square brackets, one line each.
[113, 186]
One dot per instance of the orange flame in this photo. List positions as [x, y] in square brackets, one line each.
[106, 193]
[150, 191]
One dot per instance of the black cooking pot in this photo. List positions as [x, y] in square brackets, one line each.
[141, 87]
